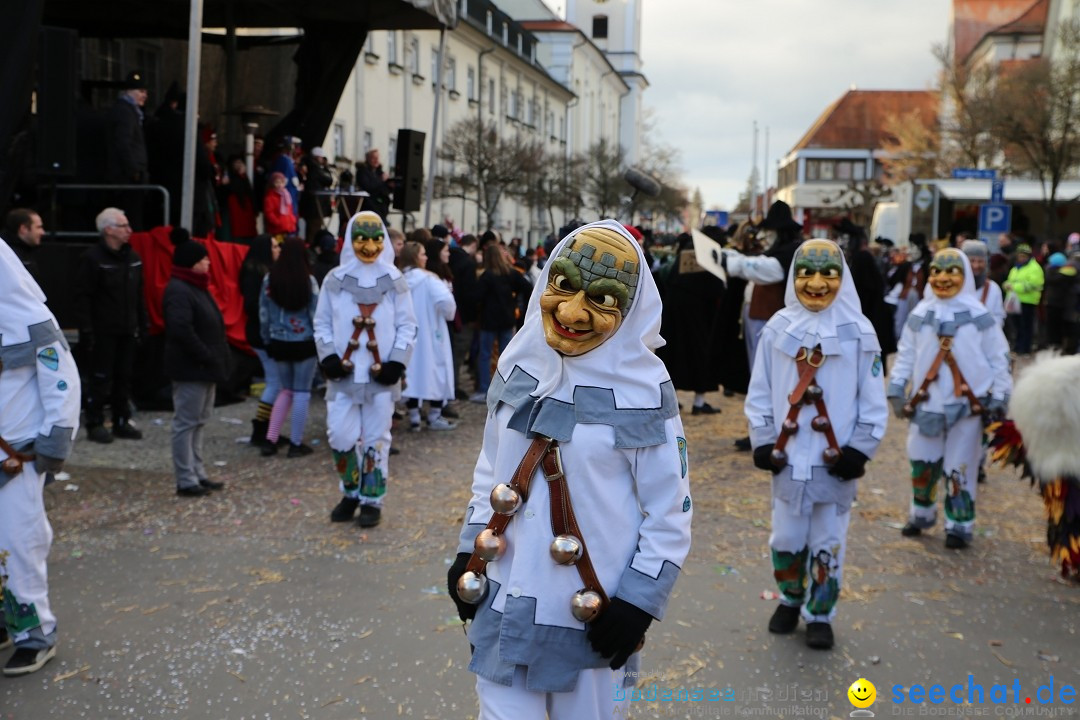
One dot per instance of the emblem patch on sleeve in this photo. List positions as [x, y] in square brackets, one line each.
[875, 369]
[686, 504]
[682, 453]
[49, 358]
[61, 386]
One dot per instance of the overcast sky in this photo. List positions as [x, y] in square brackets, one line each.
[715, 66]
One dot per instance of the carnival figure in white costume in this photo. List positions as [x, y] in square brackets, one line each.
[364, 334]
[580, 515]
[817, 412]
[956, 358]
[39, 416]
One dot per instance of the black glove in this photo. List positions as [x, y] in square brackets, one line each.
[618, 630]
[851, 465]
[763, 458]
[390, 373]
[332, 368]
[465, 611]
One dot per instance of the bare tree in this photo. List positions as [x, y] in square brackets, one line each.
[858, 200]
[603, 181]
[914, 149]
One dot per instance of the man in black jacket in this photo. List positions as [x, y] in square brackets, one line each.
[23, 231]
[127, 146]
[463, 266]
[371, 179]
[112, 318]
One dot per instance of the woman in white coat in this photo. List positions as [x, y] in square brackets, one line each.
[431, 375]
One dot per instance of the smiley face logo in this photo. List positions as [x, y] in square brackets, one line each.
[862, 693]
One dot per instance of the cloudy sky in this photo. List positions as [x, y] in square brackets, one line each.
[715, 66]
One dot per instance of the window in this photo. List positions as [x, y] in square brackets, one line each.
[391, 47]
[514, 104]
[812, 169]
[414, 55]
[491, 96]
[434, 66]
[827, 170]
[843, 170]
[391, 153]
[369, 43]
[562, 129]
[858, 170]
[599, 27]
[451, 75]
[368, 141]
[489, 23]
[506, 33]
[470, 82]
[339, 140]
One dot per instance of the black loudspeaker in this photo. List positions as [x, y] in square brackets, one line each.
[409, 170]
[56, 96]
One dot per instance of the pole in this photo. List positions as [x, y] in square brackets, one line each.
[191, 113]
[765, 173]
[753, 171]
[430, 189]
[249, 150]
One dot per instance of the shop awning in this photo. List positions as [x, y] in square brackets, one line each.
[1015, 190]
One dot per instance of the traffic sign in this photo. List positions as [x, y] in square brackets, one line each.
[994, 218]
[974, 174]
[997, 191]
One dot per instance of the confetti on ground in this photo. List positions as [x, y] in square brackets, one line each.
[69, 675]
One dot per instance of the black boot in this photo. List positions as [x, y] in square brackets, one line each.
[370, 515]
[258, 432]
[784, 620]
[345, 510]
[911, 530]
[819, 635]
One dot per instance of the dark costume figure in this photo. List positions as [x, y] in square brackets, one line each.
[869, 285]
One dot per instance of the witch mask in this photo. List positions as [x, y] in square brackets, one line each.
[590, 289]
[367, 237]
[819, 269]
[947, 273]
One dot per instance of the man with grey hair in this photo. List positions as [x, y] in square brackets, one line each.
[112, 318]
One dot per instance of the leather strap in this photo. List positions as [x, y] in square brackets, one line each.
[365, 312]
[986, 289]
[960, 385]
[12, 464]
[563, 521]
[809, 361]
[520, 481]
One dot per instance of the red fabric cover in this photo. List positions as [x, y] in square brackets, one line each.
[156, 251]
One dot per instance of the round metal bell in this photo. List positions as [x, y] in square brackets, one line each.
[369, 321]
[471, 587]
[376, 368]
[505, 500]
[489, 546]
[586, 605]
[347, 365]
[977, 408]
[920, 396]
[778, 458]
[814, 393]
[790, 427]
[965, 388]
[566, 549]
[372, 345]
[820, 423]
[831, 456]
[358, 321]
[354, 343]
[11, 465]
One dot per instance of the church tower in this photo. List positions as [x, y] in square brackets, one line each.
[615, 27]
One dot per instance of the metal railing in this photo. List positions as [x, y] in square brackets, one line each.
[166, 206]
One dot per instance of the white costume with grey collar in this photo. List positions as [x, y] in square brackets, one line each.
[614, 412]
[810, 506]
[944, 438]
[359, 411]
[39, 413]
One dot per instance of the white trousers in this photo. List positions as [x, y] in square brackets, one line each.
[25, 534]
[809, 547]
[593, 698]
[365, 430]
[951, 458]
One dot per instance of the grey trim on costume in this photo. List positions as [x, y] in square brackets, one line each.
[25, 353]
[362, 295]
[36, 639]
[634, 427]
[554, 655]
[933, 424]
[864, 440]
[400, 355]
[823, 487]
[469, 531]
[646, 592]
[896, 390]
[57, 444]
[401, 285]
[765, 434]
[847, 332]
[948, 328]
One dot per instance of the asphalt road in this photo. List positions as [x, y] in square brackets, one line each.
[251, 604]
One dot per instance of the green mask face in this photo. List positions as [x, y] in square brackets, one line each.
[947, 273]
[818, 268]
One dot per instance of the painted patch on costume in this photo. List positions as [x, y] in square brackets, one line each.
[681, 442]
[959, 506]
[875, 369]
[789, 570]
[372, 480]
[824, 585]
[49, 358]
[62, 385]
[348, 470]
[924, 479]
[686, 504]
[19, 617]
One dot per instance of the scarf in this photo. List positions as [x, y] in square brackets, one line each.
[198, 279]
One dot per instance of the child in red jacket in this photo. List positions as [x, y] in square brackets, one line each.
[278, 208]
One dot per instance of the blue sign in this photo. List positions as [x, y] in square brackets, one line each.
[997, 191]
[994, 218]
[974, 174]
[718, 218]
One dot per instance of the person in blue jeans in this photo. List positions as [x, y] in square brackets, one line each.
[261, 255]
[286, 318]
[497, 290]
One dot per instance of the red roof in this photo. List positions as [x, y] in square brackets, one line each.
[975, 19]
[857, 120]
[548, 25]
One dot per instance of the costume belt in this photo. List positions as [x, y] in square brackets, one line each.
[13, 463]
[568, 546]
[362, 322]
[960, 385]
[807, 392]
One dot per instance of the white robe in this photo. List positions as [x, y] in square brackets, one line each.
[431, 370]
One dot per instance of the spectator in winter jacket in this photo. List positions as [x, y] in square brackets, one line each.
[1026, 280]
[278, 209]
[240, 200]
[497, 290]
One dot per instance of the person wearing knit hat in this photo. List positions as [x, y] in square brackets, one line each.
[1059, 299]
[1026, 279]
[196, 359]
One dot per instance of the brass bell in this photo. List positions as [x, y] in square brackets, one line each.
[813, 393]
[11, 465]
[976, 408]
[820, 423]
[354, 343]
[566, 549]
[505, 500]
[790, 427]
[471, 587]
[908, 410]
[920, 396]
[372, 345]
[489, 546]
[778, 458]
[831, 456]
[586, 605]
[358, 321]
[964, 388]
[376, 368]
[347, 365]
[369, 321]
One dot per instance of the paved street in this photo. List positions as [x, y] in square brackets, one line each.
[250, 604]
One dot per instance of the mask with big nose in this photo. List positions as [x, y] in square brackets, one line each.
[819, 269]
